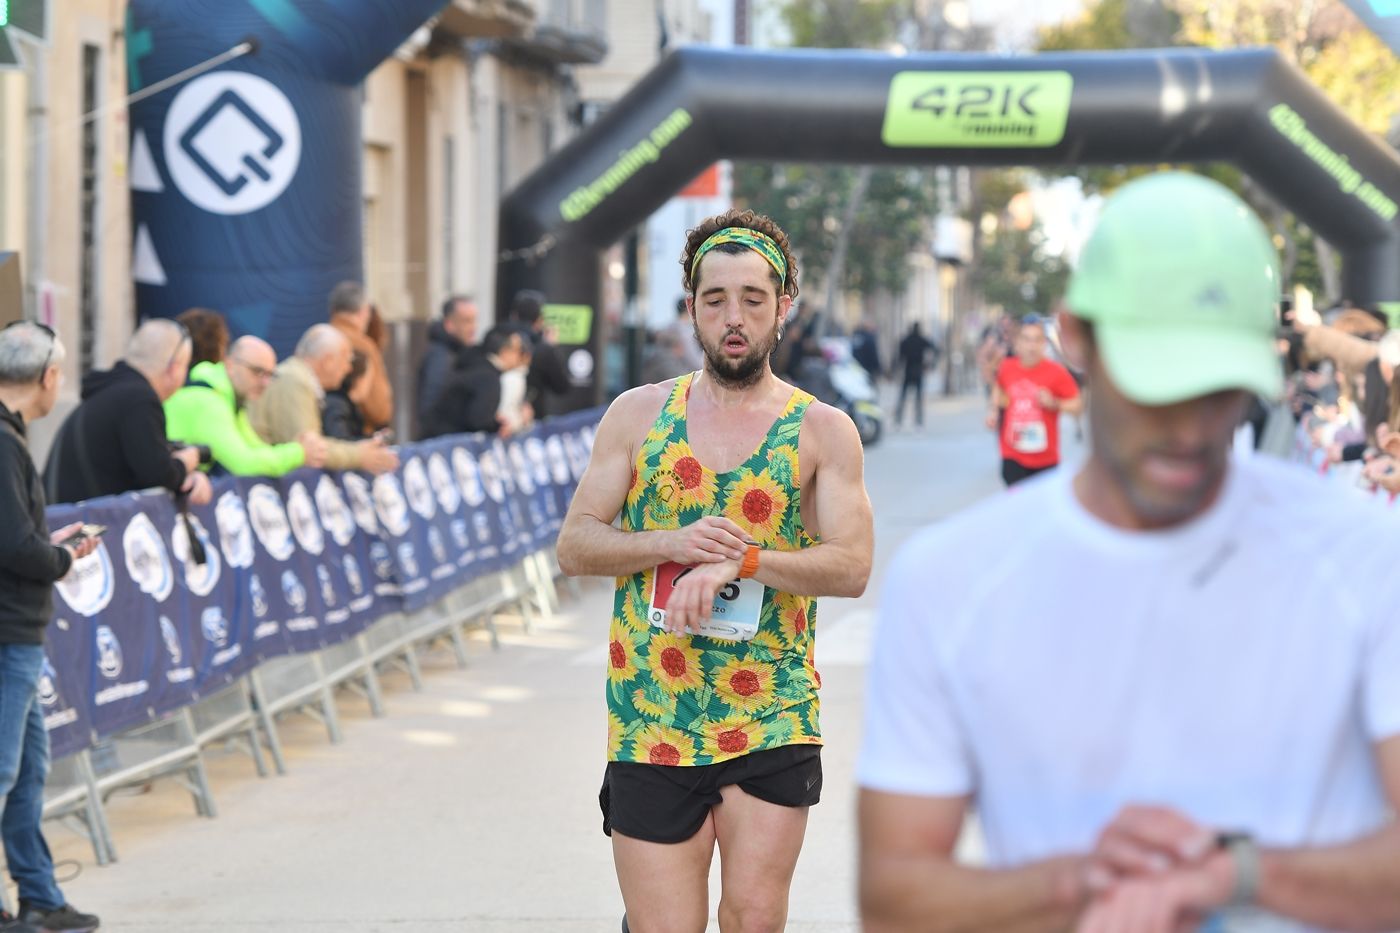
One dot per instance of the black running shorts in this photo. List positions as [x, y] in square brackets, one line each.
[660, 803]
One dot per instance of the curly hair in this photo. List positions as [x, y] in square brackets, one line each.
[208, 334]
[736, 217]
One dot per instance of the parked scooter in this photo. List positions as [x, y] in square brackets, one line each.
[837, 379]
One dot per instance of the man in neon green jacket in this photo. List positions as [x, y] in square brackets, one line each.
[209, 411]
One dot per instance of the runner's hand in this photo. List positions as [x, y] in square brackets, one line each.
[1046, 400]
[713, 538]
[1148, 841]
[690, 602]
[1177, 902]
[993, 418]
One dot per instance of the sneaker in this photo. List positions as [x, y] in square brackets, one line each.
[9, 923]
[65, 919]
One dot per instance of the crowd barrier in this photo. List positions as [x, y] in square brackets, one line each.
[310, 582]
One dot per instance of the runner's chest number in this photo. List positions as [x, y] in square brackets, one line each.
[733, 616]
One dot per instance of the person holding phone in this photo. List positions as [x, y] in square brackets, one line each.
[32, 560]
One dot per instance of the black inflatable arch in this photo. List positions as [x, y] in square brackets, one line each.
[1249, 107]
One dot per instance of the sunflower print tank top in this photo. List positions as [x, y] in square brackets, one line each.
[689, 699]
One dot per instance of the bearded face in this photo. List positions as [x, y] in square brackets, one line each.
[738, 316]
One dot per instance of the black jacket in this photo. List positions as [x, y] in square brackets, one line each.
[114, 441]
[548, 382]
[468, 401]
[340, 419]
[914, 352]
[442, 357]
[29, 564]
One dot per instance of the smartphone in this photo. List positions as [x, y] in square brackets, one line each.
[384, 436]
[89, 531]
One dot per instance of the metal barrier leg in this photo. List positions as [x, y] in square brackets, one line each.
[251, 737]
[459, 643]
[543, 586]
[372, 691]
[198, 777]
[546, 582]
[269, 723]
[102, 846]
[328, 710]
[415, 670]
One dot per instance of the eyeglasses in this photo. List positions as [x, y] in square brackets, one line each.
[53, 341]
[258, 371]
[185, 338]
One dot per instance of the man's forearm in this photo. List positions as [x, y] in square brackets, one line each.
[1350, 887]
[589, 547]
[827, 569]
[912, 894]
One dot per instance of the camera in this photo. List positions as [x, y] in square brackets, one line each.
[206, 456]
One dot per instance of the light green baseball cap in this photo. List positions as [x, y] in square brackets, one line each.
[1181, 283]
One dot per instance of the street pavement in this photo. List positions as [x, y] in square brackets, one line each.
[472, 805]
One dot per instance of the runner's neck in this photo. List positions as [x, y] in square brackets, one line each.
[728, 398]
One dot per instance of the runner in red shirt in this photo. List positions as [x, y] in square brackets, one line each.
[1029, 393]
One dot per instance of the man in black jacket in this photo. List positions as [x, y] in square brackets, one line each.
[448, 339]
[549, 377]
[31, 562]
[471, 400]
[115, 441]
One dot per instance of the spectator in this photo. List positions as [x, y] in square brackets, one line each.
[352, 315]
[291, 406]
[549, 378]
[448, 338]
[471, 400]
[865, 349]
[680, 339]
[916, 352]
[31, 561]
[340, 418]
[210, 411]
[515, 413]
[115, 441]
[208, 334]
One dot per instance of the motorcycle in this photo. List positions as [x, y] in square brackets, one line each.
[837, 379]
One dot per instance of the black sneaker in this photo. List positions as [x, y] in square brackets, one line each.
[64, 919]
[9, 923]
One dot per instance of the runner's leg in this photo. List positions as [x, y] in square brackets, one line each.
[758, 847]
[666, 887]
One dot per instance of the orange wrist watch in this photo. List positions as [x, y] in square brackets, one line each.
[750, 565]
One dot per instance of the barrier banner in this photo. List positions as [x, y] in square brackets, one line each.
[148, 624]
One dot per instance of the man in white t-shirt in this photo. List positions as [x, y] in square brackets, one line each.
[1168, 683]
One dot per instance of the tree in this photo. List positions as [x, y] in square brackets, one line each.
[1016, 272]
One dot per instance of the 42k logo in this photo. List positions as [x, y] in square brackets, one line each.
[979, 100]
[977, 109]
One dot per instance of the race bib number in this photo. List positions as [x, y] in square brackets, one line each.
[733, 616]
[1029, 437]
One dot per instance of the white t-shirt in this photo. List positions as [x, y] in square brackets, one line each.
[1056, 668]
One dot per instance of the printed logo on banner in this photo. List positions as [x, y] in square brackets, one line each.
[389, 504]
[88, 587]
[468, 477]
[578, 456]
[232, 142]
[323, 576]
[109, 652]
[461, 536]
[490, 468]
[147, 561]
[524, 476]
[588, 435]
[483, 527]
[258, 594]
[420, 495]
[214, 627]
[534, 450]
[437, 546]
[537, 518]
[383, 561]
[305, 525]
[48, 679]
[558, 460]
[172, 640]
[234, 531]
[335, 514]
[270, 521]
[352, 575]
[200, 578]
[408, 560]
[294, 592]
[440, 475]
[361, 503]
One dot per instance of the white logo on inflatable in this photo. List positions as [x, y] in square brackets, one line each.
[440, 475]
[171, 637]
[234, 531]
[490, 467]
[109, 652]
[534, 449]
[524, 476]
[361, 503]
[48, 678]
[335, 514]
[232, 142]
[200, 578]
[270, 521]
[147, 561]
[468, 477]
[415, 483]
[88, 587]
[389, 504]
[558, 461]
[305, 525]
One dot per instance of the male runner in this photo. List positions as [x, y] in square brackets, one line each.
[712, 694]
[1028, 394]
[1169, 682]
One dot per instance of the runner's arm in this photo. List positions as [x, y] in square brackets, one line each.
[909, 881]
[590, 545]
[839, 565]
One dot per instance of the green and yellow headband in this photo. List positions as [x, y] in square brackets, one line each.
[760, 243]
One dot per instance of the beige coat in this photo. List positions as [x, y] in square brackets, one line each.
[292, 406]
